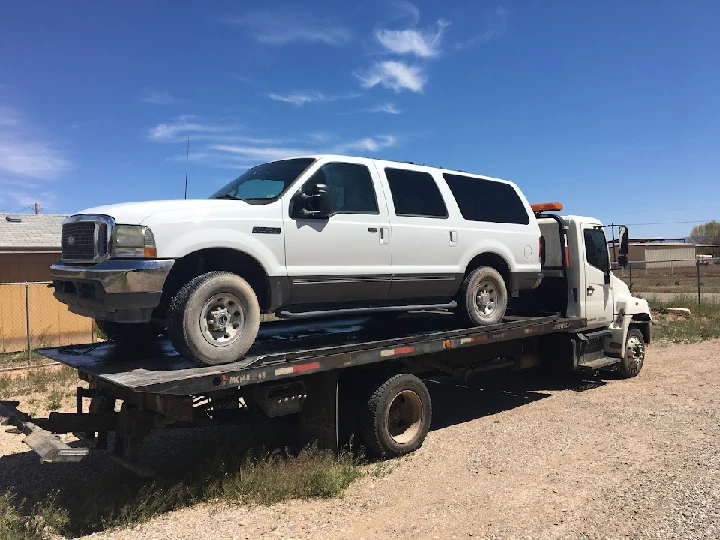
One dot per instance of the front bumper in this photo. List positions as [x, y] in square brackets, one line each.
[113, 290]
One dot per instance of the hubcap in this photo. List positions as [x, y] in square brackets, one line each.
[636, 352]
[486, 298]
[222, 319]
[404, 417]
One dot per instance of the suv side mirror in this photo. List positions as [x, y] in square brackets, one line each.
[315, 205]
[624, 242]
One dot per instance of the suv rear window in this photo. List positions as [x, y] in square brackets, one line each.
[486, 200]
[415, 193]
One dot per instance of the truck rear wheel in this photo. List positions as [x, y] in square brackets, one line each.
[634, 357]
[214, 318]
[396, 417]
[130, 333]
[483, 297]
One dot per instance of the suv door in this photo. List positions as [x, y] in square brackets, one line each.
[346, 257]
[598, 294]
[425, 256]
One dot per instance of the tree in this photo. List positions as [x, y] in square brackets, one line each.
[709, 233]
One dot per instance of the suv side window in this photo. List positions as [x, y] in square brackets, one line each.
[596, 251]
[486, 200]
[350, 186]
[415, 193]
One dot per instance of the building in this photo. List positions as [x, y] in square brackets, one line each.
[29, 244]
[658, 253]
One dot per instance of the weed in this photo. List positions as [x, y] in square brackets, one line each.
[55, 400]
[701, 325]
[21, 521]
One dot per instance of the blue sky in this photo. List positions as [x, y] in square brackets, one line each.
[611, 107]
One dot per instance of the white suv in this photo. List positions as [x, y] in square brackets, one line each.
[297, 237]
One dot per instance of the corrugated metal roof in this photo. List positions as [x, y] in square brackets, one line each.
[32, 231]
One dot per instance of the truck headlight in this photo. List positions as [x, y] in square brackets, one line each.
[133, 241]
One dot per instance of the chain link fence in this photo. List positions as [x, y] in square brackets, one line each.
[31, 317]
[666, 279]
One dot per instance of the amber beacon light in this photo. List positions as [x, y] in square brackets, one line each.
[547, 207]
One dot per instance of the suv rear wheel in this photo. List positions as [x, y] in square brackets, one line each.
[214, 318]
[483, 297]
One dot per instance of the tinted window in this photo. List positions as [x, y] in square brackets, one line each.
[264, 183]
[596, 251]
[486, 200]
[350, 186]
[415, 193]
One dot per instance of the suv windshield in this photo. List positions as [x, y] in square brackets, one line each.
[264, 183]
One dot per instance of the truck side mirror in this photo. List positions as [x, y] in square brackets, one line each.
[622, 261]
[624, 242]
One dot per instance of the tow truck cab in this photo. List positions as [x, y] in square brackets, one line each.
[578, 282]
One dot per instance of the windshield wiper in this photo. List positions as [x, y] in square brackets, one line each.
[230, 197]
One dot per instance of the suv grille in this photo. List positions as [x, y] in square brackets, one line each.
[78, 241]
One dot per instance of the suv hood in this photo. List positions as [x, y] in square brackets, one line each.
[135, 213]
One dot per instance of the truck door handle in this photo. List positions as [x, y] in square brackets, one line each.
[372, 229]
[590, 290]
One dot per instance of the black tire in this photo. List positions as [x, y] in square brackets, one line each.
[395, 419]
[222, 335]
[133, 334]
[634, 356]
[488, 280]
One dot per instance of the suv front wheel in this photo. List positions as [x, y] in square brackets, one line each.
[214, 318]
[483, 297]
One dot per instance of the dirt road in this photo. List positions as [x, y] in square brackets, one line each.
[519, 458]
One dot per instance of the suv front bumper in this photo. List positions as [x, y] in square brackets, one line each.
[113, 290]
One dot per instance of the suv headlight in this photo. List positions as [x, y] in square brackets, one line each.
[133, 241]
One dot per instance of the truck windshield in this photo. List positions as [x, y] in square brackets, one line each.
[264, 183]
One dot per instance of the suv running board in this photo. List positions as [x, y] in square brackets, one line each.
[362, 311]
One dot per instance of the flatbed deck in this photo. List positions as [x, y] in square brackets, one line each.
[286, 349]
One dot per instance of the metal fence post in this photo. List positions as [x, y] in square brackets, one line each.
[697, 265]
[27, 320]
[630, 267]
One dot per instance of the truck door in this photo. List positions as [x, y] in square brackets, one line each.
[598, 294]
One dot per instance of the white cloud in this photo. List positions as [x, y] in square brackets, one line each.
[421, 43]
[366, 144]
[30, 159]
[282, 27]
[394, 75]
[186, 126]
[299, 98]
[388, 108]
[496, 26]
[408, 9]
[156, 97]
[8, 117]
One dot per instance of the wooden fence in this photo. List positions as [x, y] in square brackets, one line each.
[30, 315]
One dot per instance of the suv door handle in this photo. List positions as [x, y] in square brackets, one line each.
[590, 290]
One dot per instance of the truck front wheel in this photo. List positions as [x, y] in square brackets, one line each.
[634, 357]
[396, 417]
[214, 318]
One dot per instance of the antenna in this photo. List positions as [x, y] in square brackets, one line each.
[187, 157]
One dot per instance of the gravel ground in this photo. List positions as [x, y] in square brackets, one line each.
[514, 457]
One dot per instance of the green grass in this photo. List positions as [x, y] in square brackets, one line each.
[12, 359]
[37, 380]
[87, 505]
[701, 325]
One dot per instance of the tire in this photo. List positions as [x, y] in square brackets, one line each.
[488, 282]
[133, 334]
[634, 357]
[214, 318]
[395, 419]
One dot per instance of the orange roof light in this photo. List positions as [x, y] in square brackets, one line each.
[547, 207]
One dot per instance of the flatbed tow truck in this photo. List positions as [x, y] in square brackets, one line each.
[357, 375]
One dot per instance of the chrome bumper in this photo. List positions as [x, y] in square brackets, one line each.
[115, 290]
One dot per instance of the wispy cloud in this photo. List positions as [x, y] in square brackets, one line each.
[182, 127]
[421, 43]
[407, 9]
[157, 97]
[496, 26]
[257, 153]
[395, 75]
[8, 116]
[299, 98]
[388, 108]
[30, 159]
[366, 144]
[283, 27]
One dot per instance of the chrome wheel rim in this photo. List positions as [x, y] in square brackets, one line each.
[635, 352]
[222, 319]
[486, 298]
[404, 417]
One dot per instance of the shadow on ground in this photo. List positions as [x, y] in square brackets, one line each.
[97, 493]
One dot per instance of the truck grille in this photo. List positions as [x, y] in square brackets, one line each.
[78, 241]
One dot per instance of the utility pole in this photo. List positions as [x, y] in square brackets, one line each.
[37, 208]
